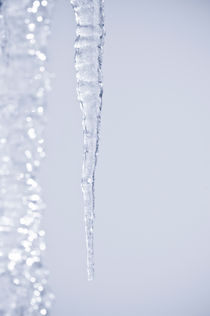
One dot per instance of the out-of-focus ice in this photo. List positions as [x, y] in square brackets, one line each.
[24, 81]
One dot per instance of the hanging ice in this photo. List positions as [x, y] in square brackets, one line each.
[24, 28]
[88, 59]
[24, 81]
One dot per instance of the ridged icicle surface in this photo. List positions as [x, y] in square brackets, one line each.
[88, 59]
[24, 81]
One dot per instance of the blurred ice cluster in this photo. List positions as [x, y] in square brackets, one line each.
[24, 82]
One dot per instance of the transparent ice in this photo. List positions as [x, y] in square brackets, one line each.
[88, 61]
[24, 82]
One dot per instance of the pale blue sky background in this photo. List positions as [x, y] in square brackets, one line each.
[152, 232]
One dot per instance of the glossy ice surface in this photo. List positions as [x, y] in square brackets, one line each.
[88, 61]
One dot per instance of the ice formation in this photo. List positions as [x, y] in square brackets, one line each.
[24, 81]
[88, 61]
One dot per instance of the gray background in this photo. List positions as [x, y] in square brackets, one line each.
[152, 232]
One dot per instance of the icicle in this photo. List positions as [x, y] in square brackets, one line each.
[88, 59]
[24, 28]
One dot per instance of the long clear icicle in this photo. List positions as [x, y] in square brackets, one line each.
[24, 81]
[88, 60]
